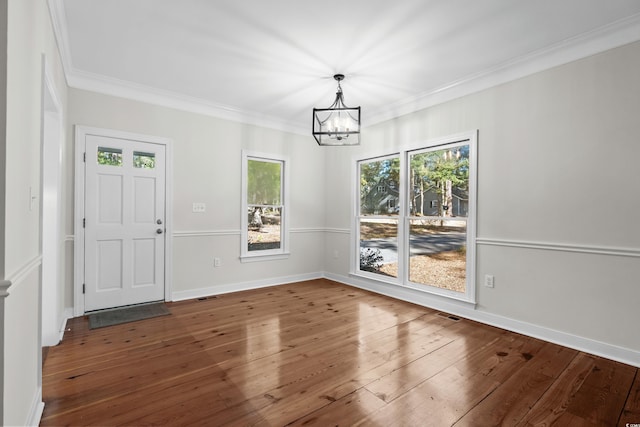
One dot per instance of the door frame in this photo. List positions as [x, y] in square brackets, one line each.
[79, 214]
[51, 244]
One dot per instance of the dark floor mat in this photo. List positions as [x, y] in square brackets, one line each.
[126, 315]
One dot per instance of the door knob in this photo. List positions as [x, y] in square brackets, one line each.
[159, 231]
[159, 222]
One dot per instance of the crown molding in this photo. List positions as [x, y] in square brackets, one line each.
[616, 34]
[59, 24]
[125, 89]
[610, 36]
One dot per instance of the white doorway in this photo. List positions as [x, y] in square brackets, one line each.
[124, 232]
[52, 305]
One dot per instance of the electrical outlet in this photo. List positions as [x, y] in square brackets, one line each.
[199, 207]
[217, 262]
[489, 281]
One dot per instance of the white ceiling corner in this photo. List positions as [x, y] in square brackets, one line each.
[269, 64]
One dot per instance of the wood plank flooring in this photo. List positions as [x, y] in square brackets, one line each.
[319, 353]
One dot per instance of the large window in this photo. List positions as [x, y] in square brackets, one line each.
[264, 210]
[415, 218]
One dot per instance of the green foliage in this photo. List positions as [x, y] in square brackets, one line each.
[437, 171]
[144, 161]
[370, 260]
[109, 158]
[376, 173]
[264, 182]
[435, 167]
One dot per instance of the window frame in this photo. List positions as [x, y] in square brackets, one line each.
[267, 254]
[404, 219]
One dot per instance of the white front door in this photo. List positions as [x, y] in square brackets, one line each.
[124, 222]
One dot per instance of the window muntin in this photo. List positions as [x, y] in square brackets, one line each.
[264, 206]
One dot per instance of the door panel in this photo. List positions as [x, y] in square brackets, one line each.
[124, 213]
[109, 194]
[109, 265]
[144, 194]
[144, 262]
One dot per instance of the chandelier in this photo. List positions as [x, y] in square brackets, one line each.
[338, 124]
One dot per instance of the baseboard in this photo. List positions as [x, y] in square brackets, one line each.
[37, 407]
[597, 348]
[242, 286]
[54, 338]
[68, 314]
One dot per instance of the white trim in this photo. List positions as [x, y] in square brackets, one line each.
[137, 92]
[403, 154]
[59, 24]
[261, 257]
[69, 238]
[243, 286]
[37, 407]
[24, 271]
[81, 79]
[308, 230]
[613, 35]
[168, 223]
[206, 233]
[78, 216]
[337, 230]
[54, 339]
[610, 36]
[270, 254]
[549, 246]
[78, 248]
[458, 308]
[50, 221]
[598, 348]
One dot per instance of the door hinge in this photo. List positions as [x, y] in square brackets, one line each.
[84, 222]
[83, 288]
[84, 157]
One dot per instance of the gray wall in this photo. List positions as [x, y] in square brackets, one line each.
[207, 161]
[29, 36]
[557, 170]
[564, 261]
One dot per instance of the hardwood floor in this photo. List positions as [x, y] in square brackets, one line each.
[320, 353]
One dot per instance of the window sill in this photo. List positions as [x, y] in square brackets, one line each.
[428, 291]
[265, 257]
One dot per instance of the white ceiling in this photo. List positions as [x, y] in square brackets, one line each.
[270, 62]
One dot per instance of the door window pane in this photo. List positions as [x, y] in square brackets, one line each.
[109, 156]
[144, 160]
